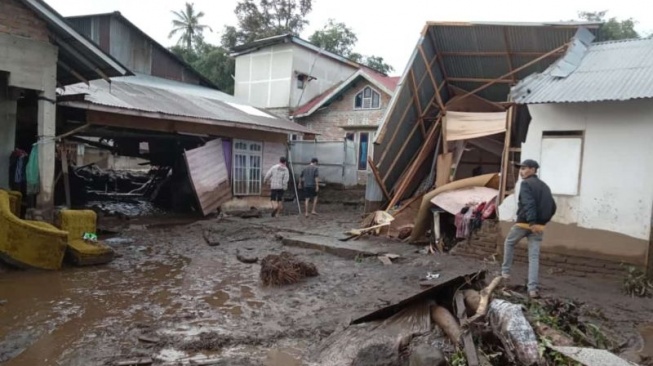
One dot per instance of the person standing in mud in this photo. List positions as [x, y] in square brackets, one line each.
[310, 182]
[535, 209]
[278, 176]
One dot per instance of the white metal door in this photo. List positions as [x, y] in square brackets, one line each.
[247, 174]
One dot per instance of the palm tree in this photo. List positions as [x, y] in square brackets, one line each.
[187, 23]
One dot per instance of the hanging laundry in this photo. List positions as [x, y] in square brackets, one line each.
[32, 171]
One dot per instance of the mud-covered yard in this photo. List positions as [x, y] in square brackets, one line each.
[171, 297]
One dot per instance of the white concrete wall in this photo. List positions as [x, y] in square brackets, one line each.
[263, 77]
[267, 78]
[616, 180]
[327, 71]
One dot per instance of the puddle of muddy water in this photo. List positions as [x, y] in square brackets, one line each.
[283, 357]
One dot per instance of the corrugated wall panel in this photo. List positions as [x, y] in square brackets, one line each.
[208, 175]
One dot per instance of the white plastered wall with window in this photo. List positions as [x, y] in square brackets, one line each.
[598, 160]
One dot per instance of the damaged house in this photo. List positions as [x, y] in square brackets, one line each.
[336, 97]
[591, 130]
[39, 52]
[175, 110]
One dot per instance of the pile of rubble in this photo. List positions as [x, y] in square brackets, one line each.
[461, 322]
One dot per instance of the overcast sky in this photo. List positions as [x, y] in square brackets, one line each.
[389, 30]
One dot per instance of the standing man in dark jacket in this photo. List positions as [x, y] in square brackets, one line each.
[535, 209]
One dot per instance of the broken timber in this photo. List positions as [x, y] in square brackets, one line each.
[468, 342]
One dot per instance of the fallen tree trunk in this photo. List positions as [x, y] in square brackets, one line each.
[445, 320]
[483, 301]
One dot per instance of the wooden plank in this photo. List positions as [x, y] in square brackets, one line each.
[505, 159]
[375, 171]
[425, 150]
[208, 174]
[401, 151]
[497, 54]
[438, 97]
[468, 341]
[527, 65]
[381, 135]
[508, 54]
[480, 80]
[443, 169]
[416, 101]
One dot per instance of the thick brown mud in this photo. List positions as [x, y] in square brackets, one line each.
[171, 297]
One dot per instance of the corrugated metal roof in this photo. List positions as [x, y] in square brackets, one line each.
[609, 71]
[77, 54]
[166, 97]
[466, 55]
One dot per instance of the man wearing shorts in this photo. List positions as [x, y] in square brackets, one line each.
[310, 180]
[278, 176]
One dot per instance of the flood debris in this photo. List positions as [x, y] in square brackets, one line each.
[211, 238]
[135, 362]
[387, 258]
[592, 357]
[372, 224]
[245, 259]
[636, 283]
[285, 269]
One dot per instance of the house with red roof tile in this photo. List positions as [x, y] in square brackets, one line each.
[330, 94]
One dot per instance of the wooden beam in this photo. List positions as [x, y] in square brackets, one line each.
[381, 135]
[497, 54]
[481, 80]
[418, 105]
[468, 341]
[505, 160]
[438, 97]
[73, 72]
[527, 65]
[424, 152]
[508, 54]
[401, 151]
[457, 90]
[72, 132]
[377, 176]
[394, 135]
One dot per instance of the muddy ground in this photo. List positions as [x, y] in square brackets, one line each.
[172, 297]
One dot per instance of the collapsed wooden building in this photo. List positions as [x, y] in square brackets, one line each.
[451, 117]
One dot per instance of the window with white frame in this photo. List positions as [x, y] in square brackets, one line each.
[561, 160]
[247, 170]
[367, 98]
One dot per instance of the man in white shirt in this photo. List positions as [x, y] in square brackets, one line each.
[278, 176]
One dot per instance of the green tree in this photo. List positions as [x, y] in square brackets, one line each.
[612, 29]
[213, 62]
[266, 18]
[377, 63]
[187, 25]
[335, 37]
[340, 39]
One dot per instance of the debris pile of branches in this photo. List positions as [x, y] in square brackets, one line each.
[472, 325]
[285, 269]
[636, 283]
[372, 224]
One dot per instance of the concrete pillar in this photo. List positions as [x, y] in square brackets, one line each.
[8, 107]
[46, 132]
